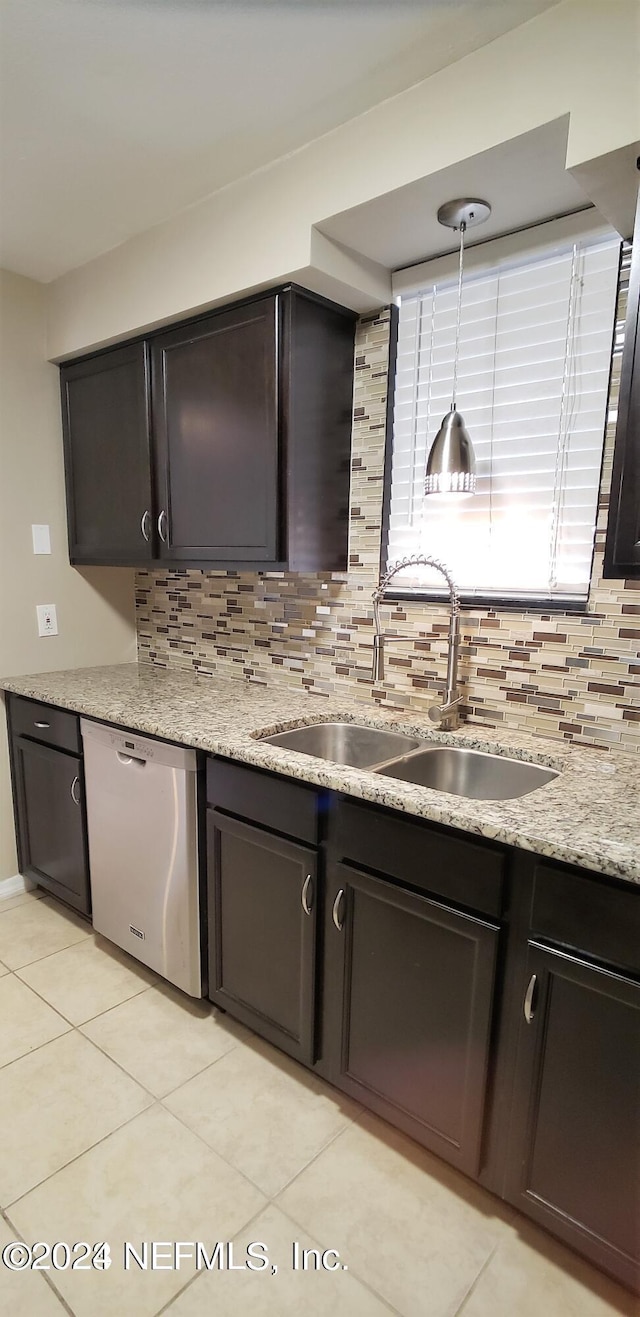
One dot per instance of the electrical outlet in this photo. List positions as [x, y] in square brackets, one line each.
[47, 620]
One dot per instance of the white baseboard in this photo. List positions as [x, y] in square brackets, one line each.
[15, 886]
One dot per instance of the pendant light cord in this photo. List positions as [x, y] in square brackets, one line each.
[457, 347]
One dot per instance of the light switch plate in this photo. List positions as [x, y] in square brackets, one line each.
[41, 539]
[47, 620]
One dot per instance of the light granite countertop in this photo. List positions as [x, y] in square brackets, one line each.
[589, 815]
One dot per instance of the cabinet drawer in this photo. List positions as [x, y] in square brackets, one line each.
[275, 802]
[467, 872]
[43, 722]
[587, 914]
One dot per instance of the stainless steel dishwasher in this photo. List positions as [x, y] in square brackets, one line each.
[143, 849]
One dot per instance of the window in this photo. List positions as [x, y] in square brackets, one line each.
[535, 350]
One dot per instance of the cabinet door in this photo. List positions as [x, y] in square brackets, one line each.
[51, 823]
[622, 550]
[107, 457]
[215, 416]
[575, 1140]
[262, 931]
[408, 988]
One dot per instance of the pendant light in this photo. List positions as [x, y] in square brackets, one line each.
[451, 466]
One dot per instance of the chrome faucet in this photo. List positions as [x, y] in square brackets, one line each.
[445, 715]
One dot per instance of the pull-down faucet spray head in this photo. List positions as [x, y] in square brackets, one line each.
[446, 715]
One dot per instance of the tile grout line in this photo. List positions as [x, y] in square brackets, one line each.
[117, 1064]
[192, 1279]
[44, 1274]
[329, 1144]
[270, 1198]
[32, 1050]
[356, 1274]
[209, 1148]
[92, 1018]
[22, 905]
[61, 950]
[74, 1028]
[476, 1278]
[16, 1201]
[360, 1279]
[57, 1011]
[271, 1203]
[13, 969]
[159, 1099]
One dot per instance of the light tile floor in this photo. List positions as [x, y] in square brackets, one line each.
[131, 1113]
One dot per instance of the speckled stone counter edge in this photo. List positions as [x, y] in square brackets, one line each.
[588, 816]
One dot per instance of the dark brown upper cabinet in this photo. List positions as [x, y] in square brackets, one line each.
[220, 442]
[622, 549]
[215, 420]
[108, 457]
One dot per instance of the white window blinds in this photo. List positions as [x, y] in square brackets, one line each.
[535, 353]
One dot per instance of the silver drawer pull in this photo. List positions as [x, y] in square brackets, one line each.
[307, 894]
[162, 526]
[335, 913]
[43, 725]
[144, 525]
[528, 1008]
[74, 785]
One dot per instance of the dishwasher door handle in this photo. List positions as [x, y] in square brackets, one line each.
[125, 760]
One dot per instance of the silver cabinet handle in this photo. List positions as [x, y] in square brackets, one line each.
[335, 913]
[162, 521]
[144, 525]
[307, 894]
[528, 1007]
[42, 724]
[74, 785]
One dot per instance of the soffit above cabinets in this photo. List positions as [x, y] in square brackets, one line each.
[525, 180]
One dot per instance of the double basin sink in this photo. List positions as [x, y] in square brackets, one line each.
[471, 773]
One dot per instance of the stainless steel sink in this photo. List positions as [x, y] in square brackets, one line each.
[469, 773]
[346, 743]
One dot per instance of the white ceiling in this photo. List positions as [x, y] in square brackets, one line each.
[524, 180]
[117, 114]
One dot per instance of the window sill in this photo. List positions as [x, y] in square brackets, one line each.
[487, 603]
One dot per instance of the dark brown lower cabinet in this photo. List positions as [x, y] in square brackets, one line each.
[575, 1133]
[463, 991]
[50, 818]
[263, 897]
[412, 1008]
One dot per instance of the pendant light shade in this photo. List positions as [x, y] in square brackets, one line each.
[451, 468]
[451, 465]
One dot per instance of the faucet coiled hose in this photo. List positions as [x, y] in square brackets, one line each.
[418, 560]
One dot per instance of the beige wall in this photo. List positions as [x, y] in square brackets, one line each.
[579, 58]
[95, 607]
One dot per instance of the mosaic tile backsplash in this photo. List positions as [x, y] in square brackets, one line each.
[574, 676]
